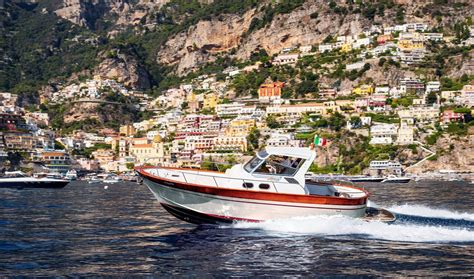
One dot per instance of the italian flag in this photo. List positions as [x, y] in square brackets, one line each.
[319, 141]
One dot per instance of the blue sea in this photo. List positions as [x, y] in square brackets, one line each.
[89, 230]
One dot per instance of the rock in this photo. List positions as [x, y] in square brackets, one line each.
[124, 68]
[120, 12]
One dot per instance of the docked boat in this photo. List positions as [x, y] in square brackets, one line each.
[272, 185]
[112, 179]
[71, 174]
[396, 179]
[18, 179]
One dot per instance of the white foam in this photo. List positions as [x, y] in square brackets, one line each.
[340, 225]
[425, 211]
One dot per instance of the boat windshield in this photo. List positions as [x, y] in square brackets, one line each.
[252, 164]
[280, 165]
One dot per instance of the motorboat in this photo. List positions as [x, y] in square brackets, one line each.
[112, 179]
[71, 174]
[396, 179]
[365, 178]
[272, 185]
[18, 179]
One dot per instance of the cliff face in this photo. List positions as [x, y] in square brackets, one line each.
[124, 68]
[117, 12]
[201, 42]
[452, 154]
[307, 25]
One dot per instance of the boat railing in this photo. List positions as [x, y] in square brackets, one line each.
[243, 181]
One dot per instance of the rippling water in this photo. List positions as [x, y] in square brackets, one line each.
[87, 230]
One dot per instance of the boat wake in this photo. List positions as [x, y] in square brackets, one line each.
[424, 224]
[425, 211]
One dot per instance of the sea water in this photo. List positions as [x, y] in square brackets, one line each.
[87, 230]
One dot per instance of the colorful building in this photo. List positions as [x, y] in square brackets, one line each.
[270, 92]
[210, 101]
[240, 127]
[363, 90]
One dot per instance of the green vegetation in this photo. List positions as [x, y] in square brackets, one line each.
[253, 139]
[40, 46]
[271, 10]
[87, 151]
[382, 118]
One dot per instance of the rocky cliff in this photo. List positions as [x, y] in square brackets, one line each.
[124, 68]
[306, 25]
[453, 153]
[111, 12]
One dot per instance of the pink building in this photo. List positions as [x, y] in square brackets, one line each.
[449, 116]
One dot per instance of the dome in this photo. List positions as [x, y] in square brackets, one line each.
[157, 139]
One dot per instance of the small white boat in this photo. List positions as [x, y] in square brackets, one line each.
[272, 185]
[396, 179]
[94, 180]
[71, 174]
[18, 179]
[112, 179]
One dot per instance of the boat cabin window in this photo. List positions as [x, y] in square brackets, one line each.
[247, 185]
[280, 165]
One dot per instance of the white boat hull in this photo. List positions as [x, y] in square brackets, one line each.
[198, 207]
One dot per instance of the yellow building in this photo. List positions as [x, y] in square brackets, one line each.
[407, 45]
[363, 90]
[346, 47]
[150, 153]
[226, 143]
[210, 100]
[240, 127]
[127, 130]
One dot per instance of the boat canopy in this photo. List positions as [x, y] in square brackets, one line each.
[296, 152]
[281, 161]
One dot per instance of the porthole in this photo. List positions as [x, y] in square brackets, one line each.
[264, 186]
[247, 185]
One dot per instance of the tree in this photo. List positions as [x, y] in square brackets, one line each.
[130, 165]
[58, 145]
[272, 122]
[431, 98]
[253, 139]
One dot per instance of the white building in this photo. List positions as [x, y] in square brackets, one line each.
[325, 47]
[284, 59]
[361, 42]
[405, 133]
[382, 90]
[232, 109]
[305, 49]
[277, 139]
[383, 133]
[433, 86]
[355, 66]
[433, 36]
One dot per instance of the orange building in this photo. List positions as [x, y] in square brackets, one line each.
[270, 91]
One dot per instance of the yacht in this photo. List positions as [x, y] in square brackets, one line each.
[18, 179]
[272, 185]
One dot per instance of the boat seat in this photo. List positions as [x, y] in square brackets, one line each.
[320, 189]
